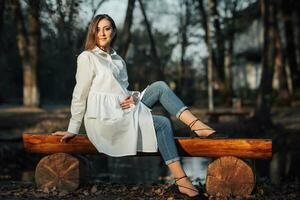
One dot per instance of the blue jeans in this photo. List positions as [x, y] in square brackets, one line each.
[159, 91]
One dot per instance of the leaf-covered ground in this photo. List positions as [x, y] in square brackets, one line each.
[107, 191]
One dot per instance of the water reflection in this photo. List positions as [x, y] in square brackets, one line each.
[144, 170]
[196, 168]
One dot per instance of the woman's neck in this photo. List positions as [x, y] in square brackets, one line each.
[106, 49]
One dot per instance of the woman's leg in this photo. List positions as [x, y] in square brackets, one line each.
[187, 117]
[168, 150]
[159, 91]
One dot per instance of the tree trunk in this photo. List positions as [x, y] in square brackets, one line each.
[204, 19]
[280, 78]
[278, 68]
[264, 98]
[290, 41]
[2, 8]
[297, 16]
[126, 33]
[68, 31]
[229, 176]
[28, 49]
[65, 11]
[215, 58]
[61, 171]
[228, 69]
[218, 76]
[158, 73]
[228, 62]
[220, 44]
[289, 79]
[30, 80]
[210, 59]
[184, 19]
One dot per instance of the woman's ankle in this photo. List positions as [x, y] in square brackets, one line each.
[186, 186]
[201, 129]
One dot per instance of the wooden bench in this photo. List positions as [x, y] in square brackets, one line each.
[227, 175]
[215, 115]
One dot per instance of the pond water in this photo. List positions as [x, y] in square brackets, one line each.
[150, 169]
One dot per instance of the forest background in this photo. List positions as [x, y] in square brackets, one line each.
[215, 54]
[210, 52]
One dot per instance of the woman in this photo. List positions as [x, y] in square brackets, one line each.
[119, 122]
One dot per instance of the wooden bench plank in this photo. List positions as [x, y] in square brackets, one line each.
[194, 147]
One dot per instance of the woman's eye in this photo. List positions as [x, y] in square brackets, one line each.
[107, 29]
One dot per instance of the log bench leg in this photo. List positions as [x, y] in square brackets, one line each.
[62, 171]
[229, 176]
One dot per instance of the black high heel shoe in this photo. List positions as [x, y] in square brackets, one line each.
[214, 135]
[199, 196]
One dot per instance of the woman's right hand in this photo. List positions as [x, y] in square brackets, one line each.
[127, 102]
[65, 135]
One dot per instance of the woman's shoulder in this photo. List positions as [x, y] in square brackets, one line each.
[85, 53]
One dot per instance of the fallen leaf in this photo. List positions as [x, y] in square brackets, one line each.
[46, 190]
[135, 188]
[63, 193]
[157, 191]
[94, 189]
[85, 192]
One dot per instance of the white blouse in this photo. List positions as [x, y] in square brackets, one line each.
[101, 85]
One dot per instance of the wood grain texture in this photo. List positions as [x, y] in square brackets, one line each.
[62, 171]
[229, 176]
[243, 148]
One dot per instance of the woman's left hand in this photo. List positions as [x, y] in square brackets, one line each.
[127, 103]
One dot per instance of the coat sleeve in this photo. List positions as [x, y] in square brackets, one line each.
[84, 78]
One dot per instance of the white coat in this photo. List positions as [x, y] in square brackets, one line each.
[101, 85]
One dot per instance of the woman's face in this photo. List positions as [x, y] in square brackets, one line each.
[105, 33]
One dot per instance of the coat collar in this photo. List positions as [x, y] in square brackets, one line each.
[101, 52]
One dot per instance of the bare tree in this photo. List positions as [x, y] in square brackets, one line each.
[65, 22]
[290, 48]
[184, 23]
[126, 33]
[281, 82]
[264, 98]
[297, 16]
[228, 61]
[95, 8]
[2, 8]
[158, 72]
[210, 58]
[28, 45]
[216, 38]
[219, 39]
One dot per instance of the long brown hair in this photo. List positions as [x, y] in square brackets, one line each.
[90, 41]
